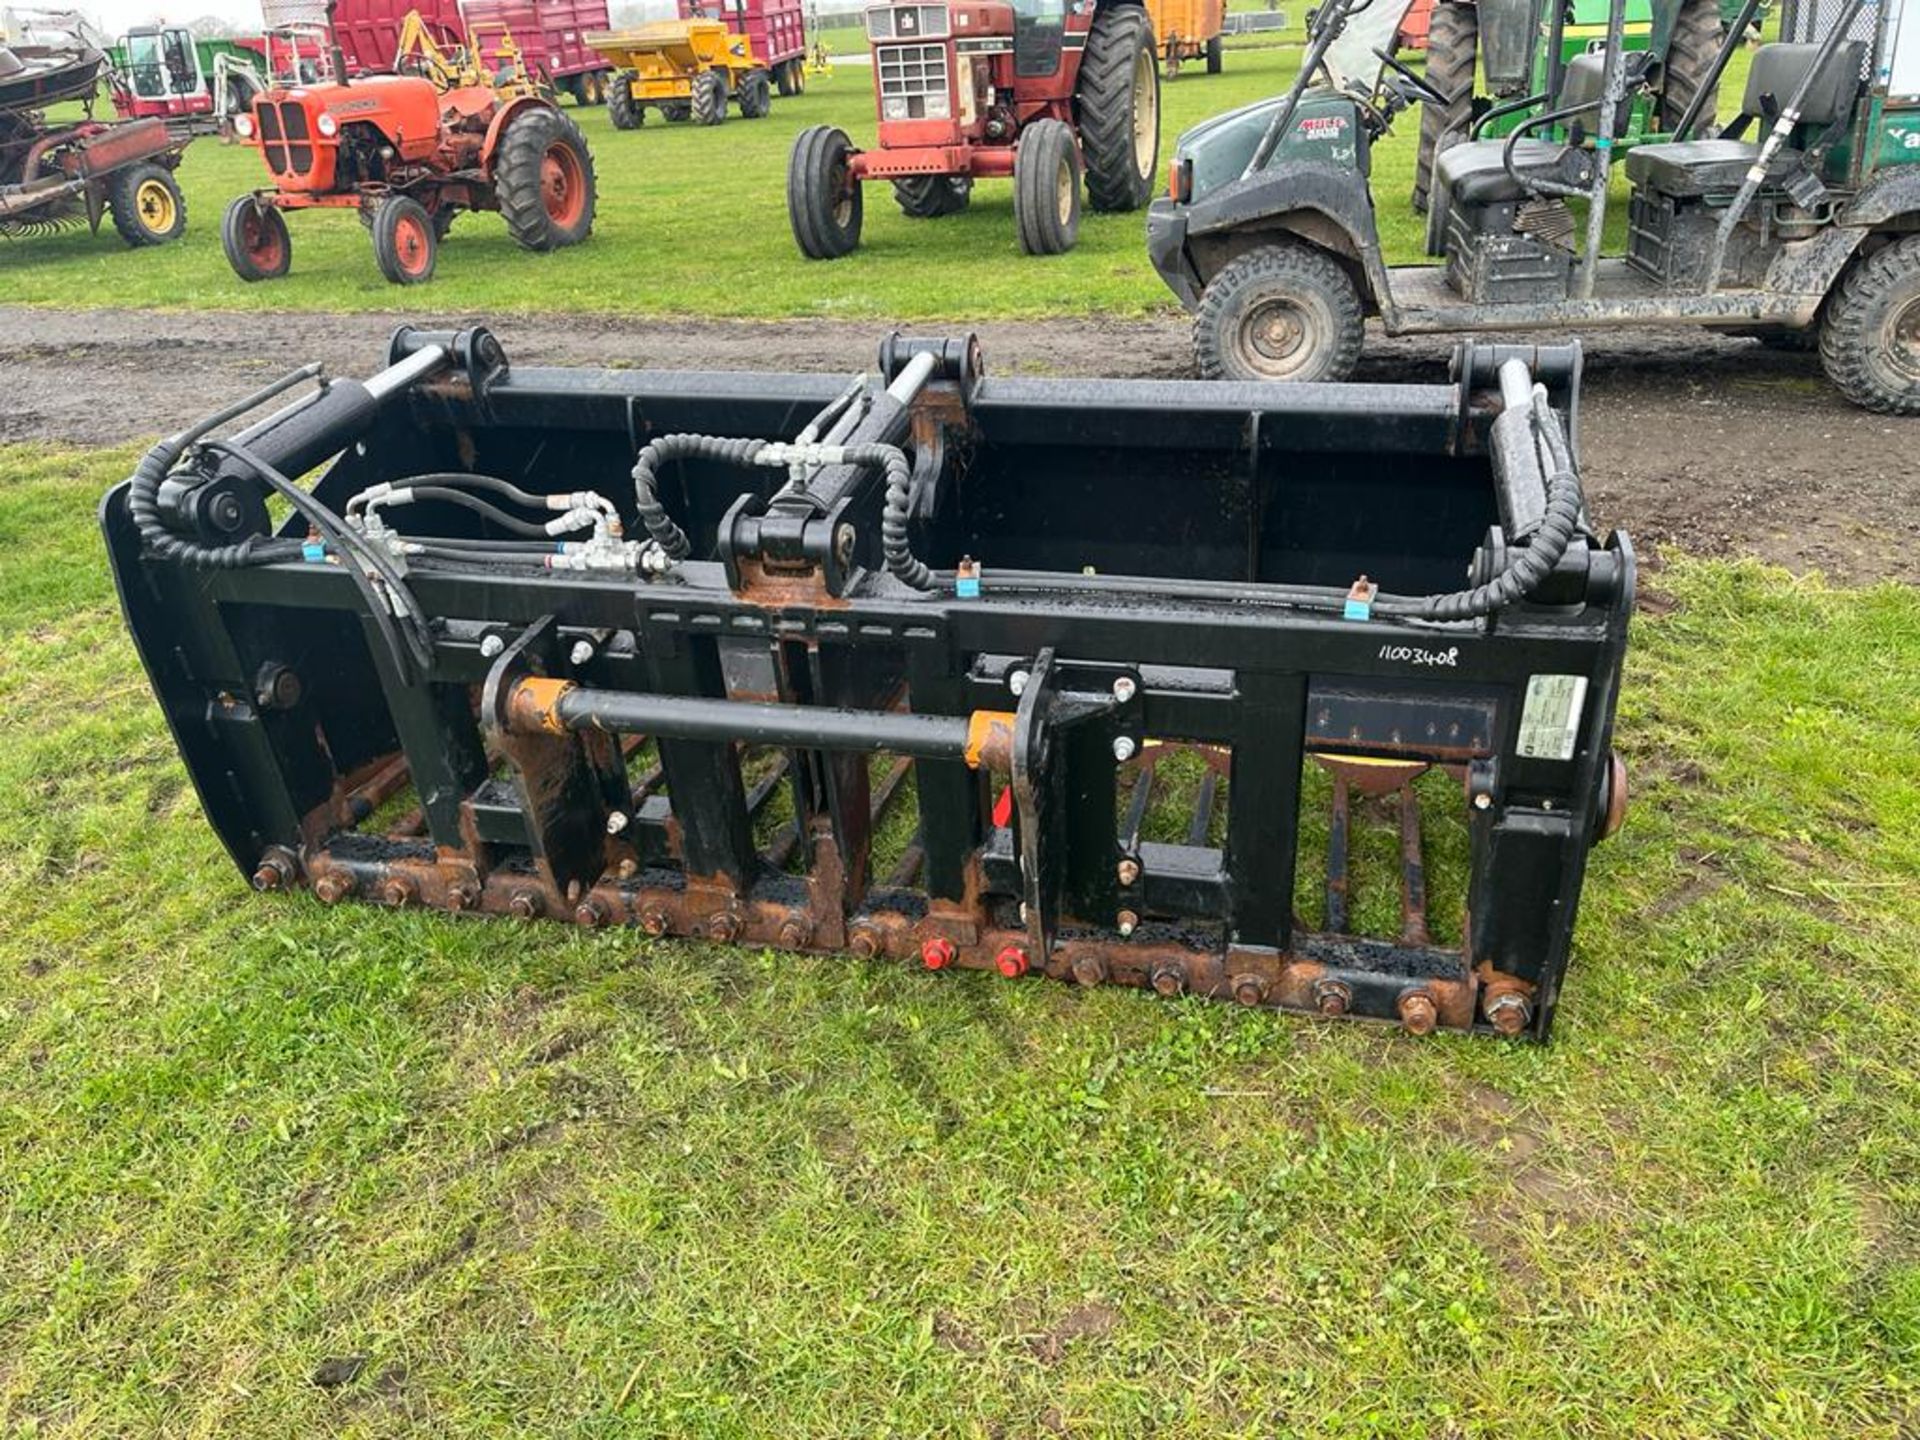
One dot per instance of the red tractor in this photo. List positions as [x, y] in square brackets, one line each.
[409, 155]
[1041, 90]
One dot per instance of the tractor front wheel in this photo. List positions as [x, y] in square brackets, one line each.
[1117, 102]
[756, 96]
[255, 237]
[1870, 333]
[622, 109]
[1282, 312]
[148, 208]
[709, 103]
[405, 240]
[544, 176]
[823, 194]
[1046, 188]
[928, 197]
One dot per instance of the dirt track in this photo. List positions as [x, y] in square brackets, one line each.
[1718, 445]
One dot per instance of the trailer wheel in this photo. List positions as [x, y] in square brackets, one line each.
[1216, 55]
[823, 194]
[1282, 312]
[787, 76]
[756, 96]
[1870, 336]
[709, 103]
[1046, 188]
[544, 176]
[148, 208]
[1453, 52]
[622, 109]
[1117, 104]
[405, 240]
[928, 197]
[256, 240]
[1695, 44]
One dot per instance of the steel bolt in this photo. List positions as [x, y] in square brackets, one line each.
[399, 892]
[333, 887]
[616, 822]
[1169, 980]
[1509, 1013]
[524, 905]
[653, 920]
[725, 926]
[1017, 682]
[1123, 748]
[628, 868]
[463, 896]
[275, 872]
[491, 647]
[866, 942]
[1483, 801]
[1129, 922]
[590, 913]
[1011, 962]
[937, 953]
[581, 653]
[1089, 969]
[796, 932]
[1129, 871]
[1250, 990]
[1417, 1013]
[1332, 998]
[1125, 688]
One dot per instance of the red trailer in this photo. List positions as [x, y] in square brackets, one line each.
[369, 30]
[551, 35]
[776, 28]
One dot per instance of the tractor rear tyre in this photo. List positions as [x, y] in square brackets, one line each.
[1117, 104]
[1453, 53]
[255, 237]
[406, 242]
[623, 110]
[1046, 188]
[928, 197]
[1870, 331]
[1697, 34]
[148, 208]
[1216, 55]
[709, 102]
[756, 96]
[1282, 312]
[543, 175]
[823, 195]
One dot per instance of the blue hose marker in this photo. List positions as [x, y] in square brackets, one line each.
[313, 552]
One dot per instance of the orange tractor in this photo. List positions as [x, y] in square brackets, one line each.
[409, 155]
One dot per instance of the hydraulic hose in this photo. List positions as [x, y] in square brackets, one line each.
[646, 487]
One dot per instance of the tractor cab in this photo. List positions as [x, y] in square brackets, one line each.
[161, 74]
[1794, 222]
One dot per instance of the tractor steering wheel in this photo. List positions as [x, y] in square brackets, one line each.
[1428, 92]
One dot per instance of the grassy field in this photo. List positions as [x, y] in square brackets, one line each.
[272, 1170]
[694, 222]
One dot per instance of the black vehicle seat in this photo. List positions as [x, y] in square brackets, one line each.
[1689, 169]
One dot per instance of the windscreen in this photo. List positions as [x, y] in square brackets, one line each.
[1371, 25]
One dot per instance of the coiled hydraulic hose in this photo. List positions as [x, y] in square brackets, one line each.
[646, 487]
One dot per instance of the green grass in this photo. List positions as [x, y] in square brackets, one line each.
[693, 221]
[530, 1180]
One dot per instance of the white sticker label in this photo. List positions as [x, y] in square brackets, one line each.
[1550, 724]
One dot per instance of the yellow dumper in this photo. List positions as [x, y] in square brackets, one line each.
[687, 69]
[1188, 30]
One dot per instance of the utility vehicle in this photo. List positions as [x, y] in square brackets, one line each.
[1797, 221]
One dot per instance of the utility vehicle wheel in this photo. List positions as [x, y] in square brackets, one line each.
[787, 76]
[255, 237]
[823, 196]
[1453, 50]
[1216, 55]
[405, 241]
[148, 208]
[1282, 312]
[1046, 188]
[928, 197]
[593, 88]
[1697, 34]
[1870, 337]
[544, 177]
[1117, 104]
[709, 102]
[241, 93]
[676, 111]
[756, 96]
[625, 112]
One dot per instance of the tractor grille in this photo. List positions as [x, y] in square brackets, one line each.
[910, 75]
[285, 138]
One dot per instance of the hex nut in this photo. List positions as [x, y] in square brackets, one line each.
[1129, 871]
[1418, 1015]
[399, 891]
[654, 921]
[525, 905]
[333, 887]
[725, 926]
[796, 932]
[1509, 1013]
[1332, 998]
[1250, 990]
[1169, 980]
[590, 913]
[866, 942]
[1089, 969]
[938, 953]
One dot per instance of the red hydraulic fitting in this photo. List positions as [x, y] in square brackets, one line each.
[937, 953]
[1011, 962]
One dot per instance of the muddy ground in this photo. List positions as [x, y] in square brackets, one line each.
[1716, 445]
